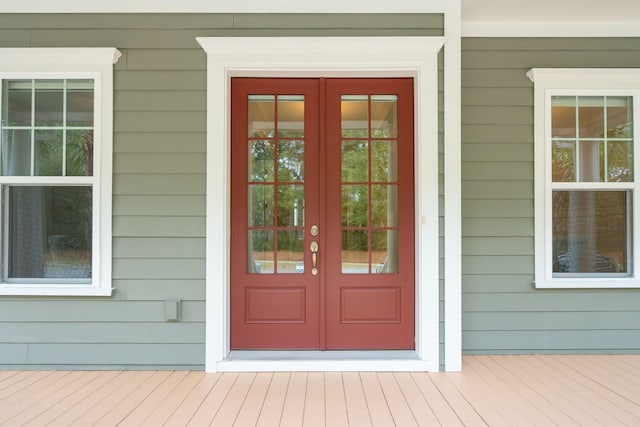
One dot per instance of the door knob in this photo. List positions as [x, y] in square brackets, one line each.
[313, 247]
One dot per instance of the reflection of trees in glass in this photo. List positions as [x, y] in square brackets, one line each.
[261, 160]
[79, 153]
[290, 161]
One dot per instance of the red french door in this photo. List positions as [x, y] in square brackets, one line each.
[322, 220]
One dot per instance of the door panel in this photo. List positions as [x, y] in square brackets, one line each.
[322, 214]
[274, 297]
[370, 214]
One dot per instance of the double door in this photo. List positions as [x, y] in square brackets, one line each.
[322, 214]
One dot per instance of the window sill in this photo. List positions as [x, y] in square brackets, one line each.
[54, 290]
[578, 283]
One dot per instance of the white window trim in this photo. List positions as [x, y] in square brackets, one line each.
[95, 63]
[564, 81]
[315, 57]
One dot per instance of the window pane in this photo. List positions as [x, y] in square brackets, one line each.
[591, 116]
[590, 232]
[291, 116]
[563, 166]
[563, 117]
[49, 102]
[261, 116]
[619, 161]
[291, 251]
[50, 232]
[48, 153]
[260, 252]
[591, 161]
[384, 116]
[79, 153]
[17, 96]
[80, 103]
[355, 116]
[16, 152]
[355, 252]
[619, 117]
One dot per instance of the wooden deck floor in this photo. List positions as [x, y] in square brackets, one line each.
[491, 390]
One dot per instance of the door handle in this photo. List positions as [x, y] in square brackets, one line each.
[313, 247]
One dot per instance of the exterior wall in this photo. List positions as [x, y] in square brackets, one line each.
[159, 185]
[502, 312]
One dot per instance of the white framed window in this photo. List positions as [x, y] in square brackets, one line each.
[56, 110]
[587, 199]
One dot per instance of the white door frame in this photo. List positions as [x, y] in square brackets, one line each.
[414, 57]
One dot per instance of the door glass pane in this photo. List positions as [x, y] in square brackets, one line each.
[260, 251]
[355, 116]
[369, 174]
[355, 161]
[290, 116]
[384, 251]
[291, 251]
[50, 232]
[384, 116]
[261, 158]
[261, 116]
[355, 252]
[384, 161]
[355, 206]
[290, 161]
[276, 157]
[290, 205]
[590, 231]
[49, 102]
[261, 205]
[384, 205]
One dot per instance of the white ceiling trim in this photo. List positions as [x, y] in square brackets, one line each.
[551, 29]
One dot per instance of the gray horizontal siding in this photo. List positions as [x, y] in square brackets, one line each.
[158, 184]
[502, 311]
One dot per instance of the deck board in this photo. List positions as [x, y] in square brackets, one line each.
[336, 405]
[273, 404]
[314, 404]
[293, 411]
[376, 400]
[491, 390]
[357, 411]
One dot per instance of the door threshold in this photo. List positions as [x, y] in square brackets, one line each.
[279, 361]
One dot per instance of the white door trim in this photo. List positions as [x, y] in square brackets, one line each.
[321, 57]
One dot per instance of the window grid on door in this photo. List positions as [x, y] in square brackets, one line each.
[275, 184]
